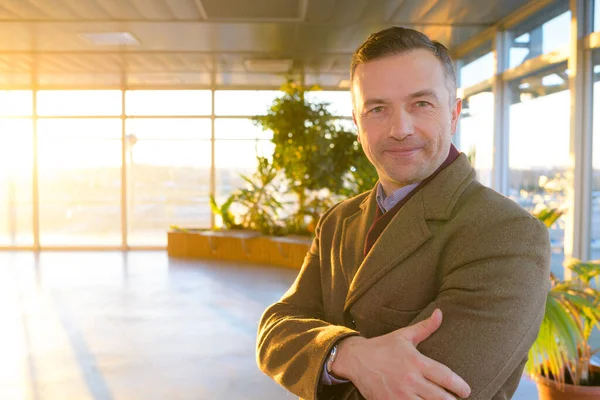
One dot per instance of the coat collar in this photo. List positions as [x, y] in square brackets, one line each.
[406, 232]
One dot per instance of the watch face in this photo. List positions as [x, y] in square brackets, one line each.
[331, 358]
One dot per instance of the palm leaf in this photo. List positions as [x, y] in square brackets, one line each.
[213, 205]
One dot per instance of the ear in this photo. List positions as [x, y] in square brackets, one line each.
[456, 114]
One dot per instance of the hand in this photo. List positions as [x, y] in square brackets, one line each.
[390, 366]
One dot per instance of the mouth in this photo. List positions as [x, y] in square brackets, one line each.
[402, 151]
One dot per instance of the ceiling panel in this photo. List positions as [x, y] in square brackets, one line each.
[168, 78]
[209, 40]
[76, 10]
[205, 37]
[18, 63]
[248, 10]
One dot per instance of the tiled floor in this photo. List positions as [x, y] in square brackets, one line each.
[135, 326]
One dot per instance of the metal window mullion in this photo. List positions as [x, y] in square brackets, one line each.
[36, 186]
[212, 155]
[124, 170]
[501, 114]
[577, 229]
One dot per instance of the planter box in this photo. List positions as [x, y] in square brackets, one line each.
[239, 246]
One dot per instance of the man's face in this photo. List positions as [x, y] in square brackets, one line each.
[404, 115]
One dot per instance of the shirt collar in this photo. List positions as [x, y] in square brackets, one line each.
[386, 203]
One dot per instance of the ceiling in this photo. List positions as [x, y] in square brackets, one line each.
[205, 42]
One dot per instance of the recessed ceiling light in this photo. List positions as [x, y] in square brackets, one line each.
[111, 38]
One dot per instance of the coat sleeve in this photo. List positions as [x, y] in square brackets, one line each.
[494, 286]
[294, 339]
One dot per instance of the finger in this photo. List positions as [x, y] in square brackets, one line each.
[429, 390]
[422, 330]
[444, 377]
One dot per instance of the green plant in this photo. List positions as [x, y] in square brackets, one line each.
[260, 199]
[362, 175]
[223, 211]
[312, 150]
[561, 350]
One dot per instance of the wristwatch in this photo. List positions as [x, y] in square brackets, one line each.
[331, 359]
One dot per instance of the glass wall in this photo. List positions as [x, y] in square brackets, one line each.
[79, 181]
[476, 69]
[549, 36]
[161, 139]
[168, 160]
[168, 176]
[16, 168]
[476, 138]
[596, 15]
[595, 209]
[539, 128]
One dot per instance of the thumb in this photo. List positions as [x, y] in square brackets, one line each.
[422, 330]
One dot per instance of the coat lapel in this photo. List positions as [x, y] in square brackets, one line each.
[354, 233]
[406, 232]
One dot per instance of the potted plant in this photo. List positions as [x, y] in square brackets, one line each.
[313, 151]
[560, 358]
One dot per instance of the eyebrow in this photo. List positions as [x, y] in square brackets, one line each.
[415, 95]
[372, 102]
[423, 93]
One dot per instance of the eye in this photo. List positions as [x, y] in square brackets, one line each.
[422, 104]
[376, 110]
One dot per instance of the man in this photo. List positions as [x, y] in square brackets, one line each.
[430, 286]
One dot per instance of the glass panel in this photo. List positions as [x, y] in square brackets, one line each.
[53, 103]
[545, 38]
[595, 223]
[597, 15]
[16, 103]
[167, 128]
[168, 102]
[477, 71]
[244, 102]
[539, 116]
[340, 102]
[80, 182]
[239, 128]
[168, 177]
[16, 176]
[235, 157]
[477, 134]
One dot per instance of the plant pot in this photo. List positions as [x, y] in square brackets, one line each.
[548, 390]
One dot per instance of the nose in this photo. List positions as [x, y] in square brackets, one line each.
[402, 125]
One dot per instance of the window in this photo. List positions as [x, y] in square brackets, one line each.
[168, 167]
[80, 181]
[16, 103]
[340, 102]
[545, 38]
[238, 143]
[244, 102]
[595, 217]
[539, 147]
[168, 102]
[476, 70]
[477, 134]
[16, 180]
[597, 15]
[65, 103]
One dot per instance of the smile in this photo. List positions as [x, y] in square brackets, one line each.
[402, 152]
